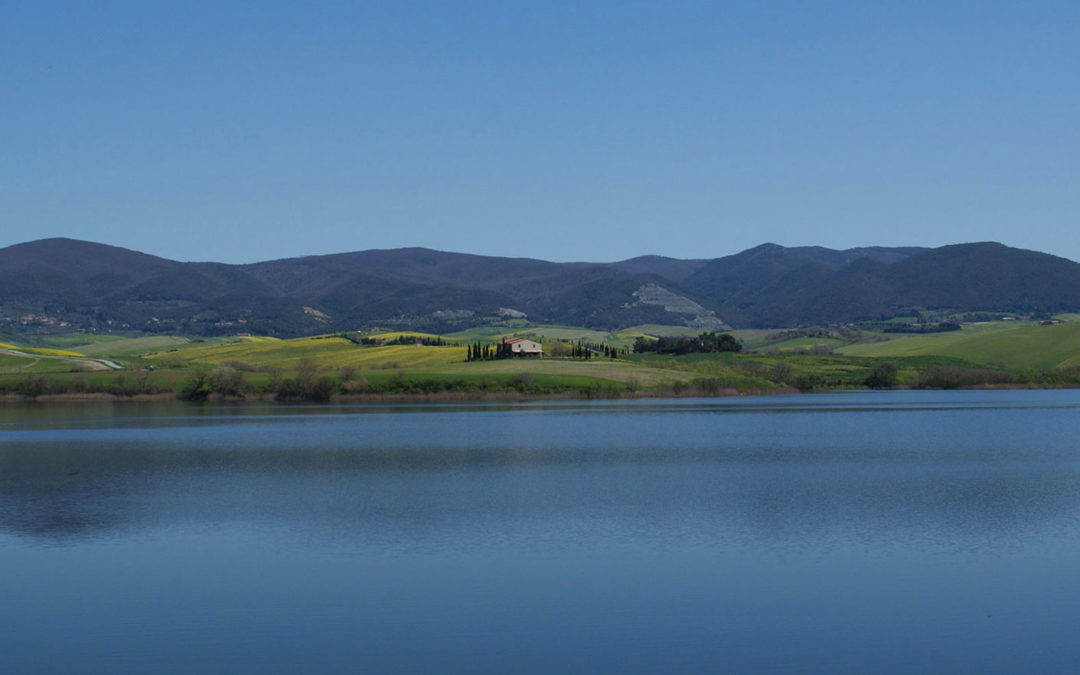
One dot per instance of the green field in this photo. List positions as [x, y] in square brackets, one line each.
[621, 338]
[596, 369]
[1014, 345]
[22, 364]
[802, 344]
[657, 330]
[324, 352]
[395, 334]
[568, 333]
[419, 361]
[37, 363]
[40, 351]
[539, 333]
[128, 347]
[754, 338]
[68, 340]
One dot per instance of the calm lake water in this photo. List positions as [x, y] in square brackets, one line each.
[852, 532]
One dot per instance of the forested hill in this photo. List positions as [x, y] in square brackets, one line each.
[772, 286]
[62, 283]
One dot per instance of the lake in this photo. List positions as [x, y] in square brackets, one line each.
[842, 532]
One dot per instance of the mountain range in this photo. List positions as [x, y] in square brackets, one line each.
[78, 285]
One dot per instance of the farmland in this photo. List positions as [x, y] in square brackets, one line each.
[374, 362]
[1013, 345]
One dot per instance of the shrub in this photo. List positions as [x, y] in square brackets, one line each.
[306, 386]
[357, 386]
[522, 382]
[227, 381]
[753, 368]
[171, 362]
[347, 373]
[198, 387]
[953, 377]
[34, 385]
[780, 373]
[240, 365]
[809, 382]
[882, 377]
[709, 385]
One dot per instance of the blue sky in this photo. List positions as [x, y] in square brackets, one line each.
[565, 131]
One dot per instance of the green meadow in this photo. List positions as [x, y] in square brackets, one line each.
[606, 371]
[24, 364]
[539, 333]
[129, 347]
[1014, 345]
[323, 351]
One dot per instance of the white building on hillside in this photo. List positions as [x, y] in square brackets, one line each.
[523, 347]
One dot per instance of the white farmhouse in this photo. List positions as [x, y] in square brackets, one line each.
[523, 347]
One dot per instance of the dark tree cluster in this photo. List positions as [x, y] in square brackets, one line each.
[702, 344]
[405, 340]
[589, 350]
[941, 327]
[882, 377]
[482, 352]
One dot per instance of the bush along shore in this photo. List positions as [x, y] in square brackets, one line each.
[310, 383]
[230, 386]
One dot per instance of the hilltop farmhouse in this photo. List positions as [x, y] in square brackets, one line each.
[524, 347]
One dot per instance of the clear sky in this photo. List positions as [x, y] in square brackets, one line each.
[566, 131]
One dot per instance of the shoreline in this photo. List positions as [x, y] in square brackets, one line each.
[446, 396]
[493, 396]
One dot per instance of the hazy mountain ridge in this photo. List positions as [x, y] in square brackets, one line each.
[100, 287]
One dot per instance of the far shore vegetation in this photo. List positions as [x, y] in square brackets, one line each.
[577, 363]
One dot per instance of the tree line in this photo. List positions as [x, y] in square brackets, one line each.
[580, 349]
[483, 352]
[402, 340]
[702, 344]
[583, 349]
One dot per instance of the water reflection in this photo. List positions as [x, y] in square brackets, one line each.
[978, 468]
[914, 532]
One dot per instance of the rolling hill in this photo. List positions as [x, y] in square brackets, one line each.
[55, 284]
[771, 286]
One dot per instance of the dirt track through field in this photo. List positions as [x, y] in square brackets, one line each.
[77, 361]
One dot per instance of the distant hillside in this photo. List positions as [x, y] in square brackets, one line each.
[92, 286]
[772, 286]
[672, 269]
[64, 284]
